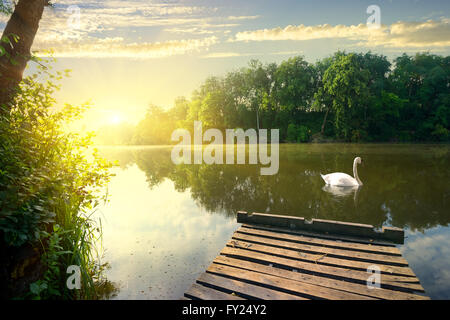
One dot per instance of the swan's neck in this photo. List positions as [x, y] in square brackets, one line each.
[355, 173]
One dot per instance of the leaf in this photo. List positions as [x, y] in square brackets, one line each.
[37, 287]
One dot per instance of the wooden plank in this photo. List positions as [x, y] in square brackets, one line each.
[244, 289]
[204, 293]
[399, 282]
[304, 237]
[339, 253]
[395, 235]
[358, 288]
[324, 236]
[285, 285]
[321, 259]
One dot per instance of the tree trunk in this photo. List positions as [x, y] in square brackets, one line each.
[324, 121]
[23, 24]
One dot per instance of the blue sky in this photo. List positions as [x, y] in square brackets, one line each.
[126, 54]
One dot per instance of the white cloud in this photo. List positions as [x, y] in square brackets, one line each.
[287, 53]
[434, 33]
[193, 30]
[91, 33]
[118, 48]
[303, 32]
[222, 55]
[243, 17]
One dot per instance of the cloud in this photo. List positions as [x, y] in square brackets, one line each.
[238, 54]
[431, 33]
[243, 17]
[202, 27]
[118, 48]
[88, 29]
[303, 32]
[193, 30]
[223, 55]
[109, 15]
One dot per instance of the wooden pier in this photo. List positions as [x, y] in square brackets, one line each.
[273, 257]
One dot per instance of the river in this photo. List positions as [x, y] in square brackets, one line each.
[164, 224]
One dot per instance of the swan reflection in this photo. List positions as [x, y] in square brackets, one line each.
[341, 192]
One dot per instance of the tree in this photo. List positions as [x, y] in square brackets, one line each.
[345, 83]
[180, 109]
[258, 85]
[423, 80]
[15, 47]
[294, 84]
[322, 101]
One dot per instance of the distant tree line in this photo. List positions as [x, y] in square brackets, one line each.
[353, 97]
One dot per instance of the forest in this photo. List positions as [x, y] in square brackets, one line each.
[349, 97]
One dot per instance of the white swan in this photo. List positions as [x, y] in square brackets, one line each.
[343, 179]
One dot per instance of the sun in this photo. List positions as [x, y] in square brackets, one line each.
[116, 119]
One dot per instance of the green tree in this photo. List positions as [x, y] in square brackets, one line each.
[423, 80]
[345, 83]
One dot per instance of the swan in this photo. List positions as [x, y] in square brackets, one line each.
[343, 179]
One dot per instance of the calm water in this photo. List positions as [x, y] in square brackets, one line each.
[164, 224]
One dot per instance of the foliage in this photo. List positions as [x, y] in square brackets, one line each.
[6, 6]
[47, 180]
[303, 134]
[298, 133]
[347, 96]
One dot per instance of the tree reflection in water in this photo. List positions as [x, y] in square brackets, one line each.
[404, 185]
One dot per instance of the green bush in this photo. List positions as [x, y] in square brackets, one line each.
[440, 133]
[303, 134]
[46, 180]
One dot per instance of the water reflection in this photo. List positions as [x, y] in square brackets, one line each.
[403, 187]
[341, 191]
[158, 240]
[175, 207]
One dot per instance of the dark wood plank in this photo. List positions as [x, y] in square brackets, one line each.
[322, 259]
[284, 285]
[358, 288]
[244, 289]
[315, 248]
[204, 293]
[306, 238]
[359, 230]
[399, 282]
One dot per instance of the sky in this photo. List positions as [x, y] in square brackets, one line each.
[125, 55]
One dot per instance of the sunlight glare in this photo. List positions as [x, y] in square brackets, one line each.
[115, 119]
